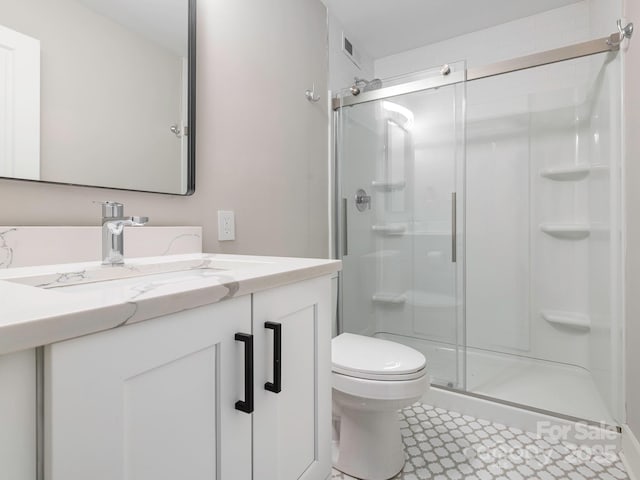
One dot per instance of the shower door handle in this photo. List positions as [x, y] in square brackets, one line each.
[454, 228]
[345, 239]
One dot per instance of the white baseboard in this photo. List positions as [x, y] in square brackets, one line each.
[630, 453]
[526, 420]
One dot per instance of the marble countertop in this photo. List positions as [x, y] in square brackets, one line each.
[47, 304]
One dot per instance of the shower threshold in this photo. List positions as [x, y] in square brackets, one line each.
[556, 388]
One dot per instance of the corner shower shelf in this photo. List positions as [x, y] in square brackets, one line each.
[566, 173]
[393, 298]
[388, 186]
[569, 231]
[567, 319]
[390, 229]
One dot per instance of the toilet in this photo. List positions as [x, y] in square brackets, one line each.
[372, 379]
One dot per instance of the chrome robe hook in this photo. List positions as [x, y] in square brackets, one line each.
[310, 95]
[616, 39]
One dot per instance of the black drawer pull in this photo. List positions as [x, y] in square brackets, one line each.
[276, 386]
[246, 405]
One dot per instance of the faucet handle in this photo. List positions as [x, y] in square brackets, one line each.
[111, 209]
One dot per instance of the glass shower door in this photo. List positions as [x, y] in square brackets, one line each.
[400, 178]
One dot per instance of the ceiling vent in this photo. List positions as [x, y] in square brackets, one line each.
[350, 51]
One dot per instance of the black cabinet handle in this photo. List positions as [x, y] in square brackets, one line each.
[276, 386]
[246, 405]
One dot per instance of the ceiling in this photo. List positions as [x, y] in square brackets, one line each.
[385, 27]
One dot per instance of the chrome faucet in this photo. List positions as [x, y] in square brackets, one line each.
[113, 223]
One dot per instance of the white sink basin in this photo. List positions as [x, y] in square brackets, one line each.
[142, 284]
[157, 271]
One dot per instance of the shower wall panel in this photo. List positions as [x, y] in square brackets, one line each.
[513, 274]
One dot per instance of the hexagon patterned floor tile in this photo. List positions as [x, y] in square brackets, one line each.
[444, 445]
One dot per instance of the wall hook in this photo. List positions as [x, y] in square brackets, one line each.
[175, 129]
[626, 31]
[616, 39]
[311, 94]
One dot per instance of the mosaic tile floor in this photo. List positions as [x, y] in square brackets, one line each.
[444, 445]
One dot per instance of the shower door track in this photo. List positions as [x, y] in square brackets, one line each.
[592, 47]
[529, 408]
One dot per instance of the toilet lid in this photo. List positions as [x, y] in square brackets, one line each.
[357, 354]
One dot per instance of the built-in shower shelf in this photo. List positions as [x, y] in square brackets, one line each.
[389, 186]
[392, 298]
[390, 229]
[567, 319]
[566, 173]
[569, 231]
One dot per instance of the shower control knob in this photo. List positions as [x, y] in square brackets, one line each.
[363, 201]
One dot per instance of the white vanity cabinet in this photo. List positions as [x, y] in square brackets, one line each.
[153, 400]
[17, 419]
[157, 400]
[291, 428]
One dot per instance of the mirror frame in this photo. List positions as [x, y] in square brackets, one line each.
[191, 100]
[191, 119]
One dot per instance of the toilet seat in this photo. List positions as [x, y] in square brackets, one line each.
[379, 377]
[364, 388]
[375, 359]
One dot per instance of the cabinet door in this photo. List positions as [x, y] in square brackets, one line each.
[151, 401]
[291, 429]
[17, 415]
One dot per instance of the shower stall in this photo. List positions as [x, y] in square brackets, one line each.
[478, 217]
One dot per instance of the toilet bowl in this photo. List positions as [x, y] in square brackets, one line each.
[372, 379]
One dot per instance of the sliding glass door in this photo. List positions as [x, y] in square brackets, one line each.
[400, 169]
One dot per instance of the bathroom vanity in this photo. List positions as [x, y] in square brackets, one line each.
[182, 366]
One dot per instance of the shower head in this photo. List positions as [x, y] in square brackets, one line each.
[373, 84]
[367, 85]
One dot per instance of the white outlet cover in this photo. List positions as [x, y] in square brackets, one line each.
[226, 225]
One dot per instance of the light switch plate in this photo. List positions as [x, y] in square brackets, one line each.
[226, 225]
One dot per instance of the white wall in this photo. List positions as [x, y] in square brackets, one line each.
[632, 180]
[261, 147]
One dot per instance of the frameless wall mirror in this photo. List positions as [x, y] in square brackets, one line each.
[99, 93]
